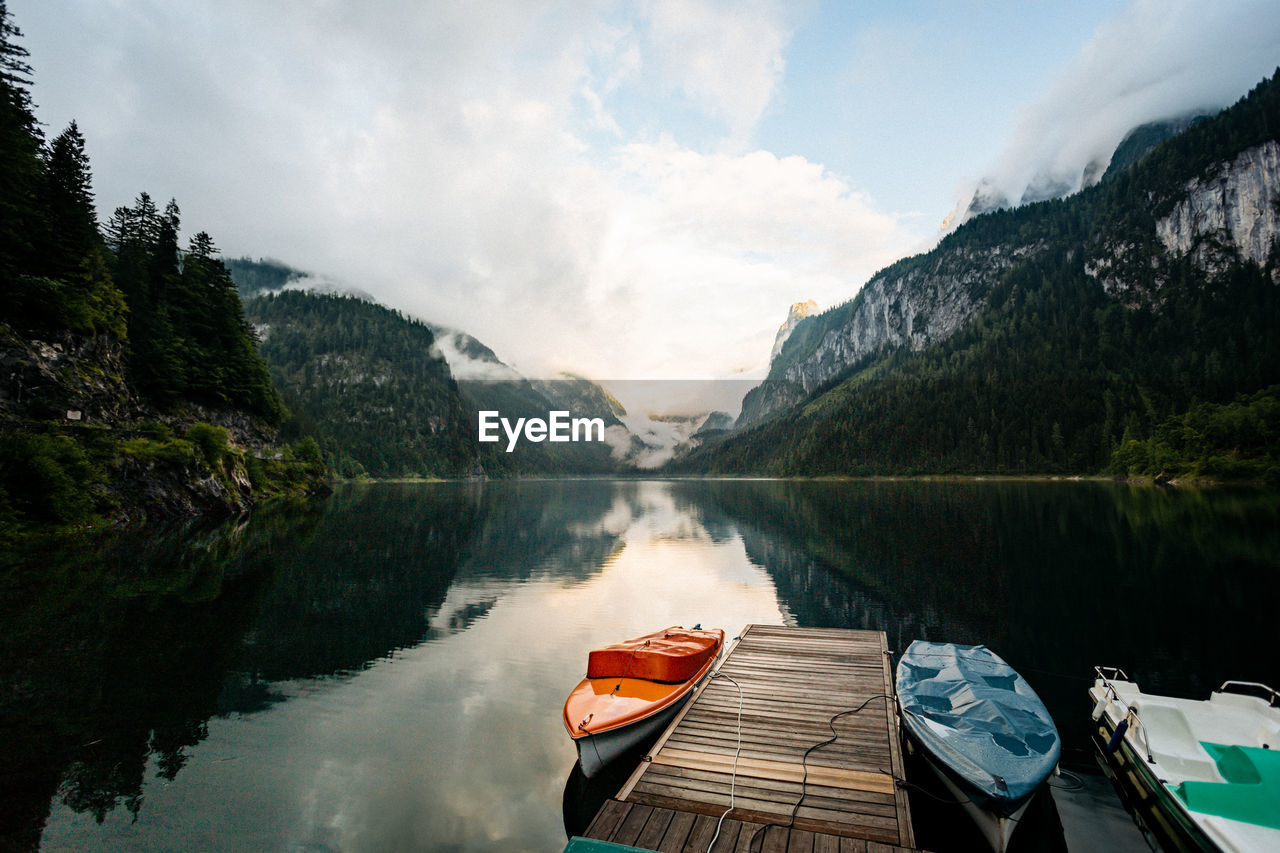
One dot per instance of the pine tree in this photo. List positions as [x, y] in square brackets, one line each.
[73, 222]
[20, 141]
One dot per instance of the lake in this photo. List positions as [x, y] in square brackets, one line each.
[384, 670]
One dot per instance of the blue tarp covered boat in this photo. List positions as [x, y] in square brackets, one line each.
[981, 727]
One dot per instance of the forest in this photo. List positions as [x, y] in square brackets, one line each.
[119, 341]
[366, 381]
[1055, 375]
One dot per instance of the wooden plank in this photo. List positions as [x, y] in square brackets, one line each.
[688, 783]
[704, 829]
[801, 841]
[869, 725]
[906, 833]
[830, 762]
[677, 832]
[859, 805]
[629, 830]
[810, 699]
[859, 780]
[794, 744]
[606, 822]
[836, 820]
[655, 828]
[826, 843]
[775, 841]
[747, 838]
[882, 815]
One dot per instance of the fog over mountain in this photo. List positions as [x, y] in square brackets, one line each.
[1154, 61]
[628, 191]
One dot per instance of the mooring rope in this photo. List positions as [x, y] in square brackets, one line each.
[733, 779]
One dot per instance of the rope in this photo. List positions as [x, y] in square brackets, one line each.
[1076, 784]
[627, 668]
[733, 779]
[804, 762]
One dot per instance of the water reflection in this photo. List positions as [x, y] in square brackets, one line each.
[385, 671]
[112, 654]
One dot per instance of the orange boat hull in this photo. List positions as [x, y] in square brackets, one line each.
[607, 715]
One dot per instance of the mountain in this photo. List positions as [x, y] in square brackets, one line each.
[1144, 139]
[1136, 143]
[388, 395]
[798, 312]
[367, 382]
[1046, 337]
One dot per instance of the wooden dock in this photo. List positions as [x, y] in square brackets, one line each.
[793, 680]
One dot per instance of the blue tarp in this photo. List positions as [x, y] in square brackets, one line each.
[979, 719]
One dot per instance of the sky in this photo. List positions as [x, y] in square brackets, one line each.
[615, 190]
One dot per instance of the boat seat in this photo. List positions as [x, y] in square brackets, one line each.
[1251, 792]
[1176, 750]
[1168, 730]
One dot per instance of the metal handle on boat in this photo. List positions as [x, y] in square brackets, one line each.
[1105, 675]
[583, 725]
[1250, 687]
[1146, 738]
[1108, 673]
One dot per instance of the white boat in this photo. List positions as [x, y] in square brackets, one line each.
[981, 729]
[1200, 774]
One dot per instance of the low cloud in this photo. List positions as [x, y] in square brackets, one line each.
[498, 169]
[1156, 60]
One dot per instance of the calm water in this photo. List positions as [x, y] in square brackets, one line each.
[384, 671]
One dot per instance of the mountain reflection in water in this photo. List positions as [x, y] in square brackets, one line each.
[385, 670]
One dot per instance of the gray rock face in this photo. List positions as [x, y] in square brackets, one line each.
[1234, 214]
[1239, 206]
[798, 312]
[77, 378]
[915, 308]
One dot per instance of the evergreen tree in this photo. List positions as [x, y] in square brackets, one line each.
[20, 163]
[68, 201]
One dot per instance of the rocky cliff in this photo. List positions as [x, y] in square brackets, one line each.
[67, 377]
[799, 310]
[914, 303]
[1229, 214]
[1237, 207]
[68, 395]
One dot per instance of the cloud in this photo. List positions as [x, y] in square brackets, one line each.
[1157, 59]
[724, 57]
[491, 167]
[577, 184]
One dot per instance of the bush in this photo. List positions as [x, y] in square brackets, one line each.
[175, 452]
[307, 451]
[212, 441]
[47, 478]
[1238, 441]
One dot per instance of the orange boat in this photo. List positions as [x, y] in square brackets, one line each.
[634, 688]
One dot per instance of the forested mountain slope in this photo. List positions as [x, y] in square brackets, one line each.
[1047, 337]
[131, 384]
[367, 382]
[373, 386]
